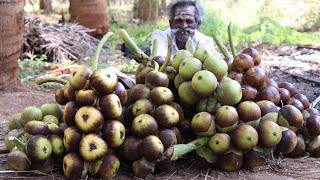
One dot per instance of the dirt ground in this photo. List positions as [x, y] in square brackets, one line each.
[299, 66]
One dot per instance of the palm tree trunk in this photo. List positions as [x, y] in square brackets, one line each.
[163, 7]
[148, 11]
[46, 5]
[11, 35]
[92, 14]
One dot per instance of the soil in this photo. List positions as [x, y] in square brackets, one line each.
[297, 65]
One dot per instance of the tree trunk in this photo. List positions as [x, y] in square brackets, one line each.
[46, 5]
[92, 14]
[163, 7]
[148, 11]
[136, 9]
[11, 35]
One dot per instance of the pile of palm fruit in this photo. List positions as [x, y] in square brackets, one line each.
[226, 112]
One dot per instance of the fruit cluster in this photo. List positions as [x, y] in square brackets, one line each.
[35, 140]
[81, 136]
[226, 109]
[246, 115]
[152, 121]
[93, 113]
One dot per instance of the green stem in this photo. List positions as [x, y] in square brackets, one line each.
[233, 50]
[222, 48]
[19, 144]
[179, 150]
[169, 53]
[153, 64]
[94, 60]
[142, 57]
[156, 66]
[55, 80]
[155, 49]
[189, 46]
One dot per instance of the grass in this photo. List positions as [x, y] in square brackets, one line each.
[33, 66]
[269, 31]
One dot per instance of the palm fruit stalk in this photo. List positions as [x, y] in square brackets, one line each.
[233, 50]
[221, 47]
[142, 57]
[50, 80]
[179, 150]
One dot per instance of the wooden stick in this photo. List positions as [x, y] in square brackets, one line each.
[66, 51]
[315, 102]
[4, 151]
[283, 63]
[46, 73]
[33, 171]
[315, 47]
[301, 77]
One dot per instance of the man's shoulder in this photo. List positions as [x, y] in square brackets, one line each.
[200, 35]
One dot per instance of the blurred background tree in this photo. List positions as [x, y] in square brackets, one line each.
[46, 5]
[147, 11]
[92, 14]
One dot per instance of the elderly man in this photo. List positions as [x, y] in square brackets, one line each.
[185, 19]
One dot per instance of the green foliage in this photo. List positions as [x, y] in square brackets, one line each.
[212, 24]
[269, 31]
[130, 67]
[140, 34]
[260, 21]
[35, 61]
[33, 66]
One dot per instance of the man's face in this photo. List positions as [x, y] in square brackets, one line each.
[184, 23]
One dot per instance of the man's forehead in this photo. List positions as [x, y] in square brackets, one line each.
[184, 11]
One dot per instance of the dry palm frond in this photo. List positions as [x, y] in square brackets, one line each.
[59, 41]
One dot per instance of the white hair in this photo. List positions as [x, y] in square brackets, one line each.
[175, 3]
